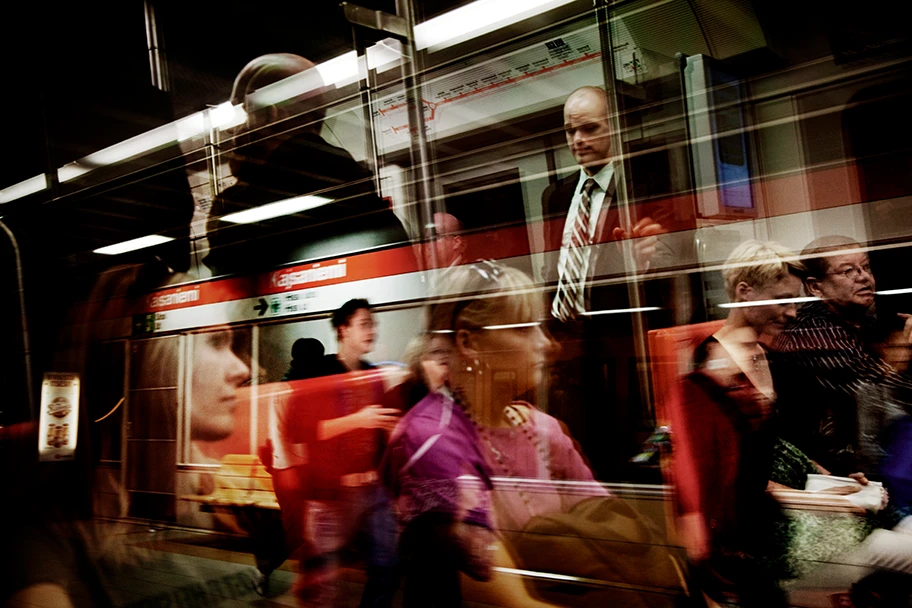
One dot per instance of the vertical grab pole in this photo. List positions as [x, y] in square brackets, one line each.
[365, 85]
[634, 288]
[420, 156]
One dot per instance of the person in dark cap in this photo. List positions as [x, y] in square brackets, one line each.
[279, 154]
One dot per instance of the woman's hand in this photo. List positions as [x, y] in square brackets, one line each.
[772, 487]
[368, 417]
[841, 490]
[860, 478]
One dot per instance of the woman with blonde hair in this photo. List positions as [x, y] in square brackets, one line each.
[727, 516]
[445, 453]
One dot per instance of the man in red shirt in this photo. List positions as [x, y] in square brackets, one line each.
[340, 421]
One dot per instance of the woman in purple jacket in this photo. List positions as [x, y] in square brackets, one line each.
[445, 450]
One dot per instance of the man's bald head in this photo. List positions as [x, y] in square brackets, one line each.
[449, 246]
[587, 129]
[446, 224]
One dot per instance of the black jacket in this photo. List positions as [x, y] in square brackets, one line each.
[305, 164]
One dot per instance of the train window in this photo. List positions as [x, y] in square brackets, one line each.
[609, 230]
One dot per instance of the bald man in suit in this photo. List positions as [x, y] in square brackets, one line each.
[589, 138]
[594, 387]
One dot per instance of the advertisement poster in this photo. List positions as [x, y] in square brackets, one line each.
[59, 420]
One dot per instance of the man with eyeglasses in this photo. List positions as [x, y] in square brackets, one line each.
[825, 360]
[446, 241]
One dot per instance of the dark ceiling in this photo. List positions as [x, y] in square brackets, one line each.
[78, 77]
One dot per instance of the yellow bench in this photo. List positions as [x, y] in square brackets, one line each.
[241, 481]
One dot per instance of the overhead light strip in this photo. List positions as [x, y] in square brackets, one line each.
[513, 325]
[619, 311]
[24, 188]
[222, 116]
[227, 115]
[134, 244]
[277, 209]
[894, 292]
[802, 300]
[476, 19]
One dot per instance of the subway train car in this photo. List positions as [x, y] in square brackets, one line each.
[551, 217]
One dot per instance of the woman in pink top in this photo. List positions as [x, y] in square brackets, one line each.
[501, 352]
[498, 352]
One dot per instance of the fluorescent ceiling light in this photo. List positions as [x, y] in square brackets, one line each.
[894, 292]
[384, 54]
[476, 19]
[222, 116]
[341, 70]
[227, 115]
[191, 126]
[70, 171]
[617, 311]
[134, 244]
[513, 325]
[135, 146]
[24, 188]
[768, 302]
[279, 208]
[285, 89]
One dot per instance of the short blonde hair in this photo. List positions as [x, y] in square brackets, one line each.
[758, 264]
[485, 293]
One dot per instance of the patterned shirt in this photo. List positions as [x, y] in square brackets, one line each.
[825, 366]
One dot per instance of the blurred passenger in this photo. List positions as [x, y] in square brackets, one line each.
[726, 515]
[499, 353]
[279, 154]
[441, 482]
[306, 359]
[447, 246]
[828, 359]
[427, 358]
[734, 532]
[346, 506]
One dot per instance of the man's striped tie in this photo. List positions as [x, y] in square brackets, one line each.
[570, 299]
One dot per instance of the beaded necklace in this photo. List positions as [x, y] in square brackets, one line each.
[516, 420]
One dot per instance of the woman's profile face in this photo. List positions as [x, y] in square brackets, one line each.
[522, 351]
[217, 372]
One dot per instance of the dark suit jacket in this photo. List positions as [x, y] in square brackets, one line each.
[609, 262]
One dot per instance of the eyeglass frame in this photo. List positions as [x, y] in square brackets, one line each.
[853, 272]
